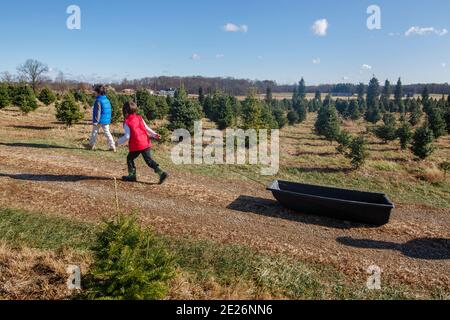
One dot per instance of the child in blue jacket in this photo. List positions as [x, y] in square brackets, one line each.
[101, 118]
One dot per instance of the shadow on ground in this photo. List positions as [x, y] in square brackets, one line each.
[63, 178]
[35, 128]
[36, 146]
[271, 208]
[422, 248]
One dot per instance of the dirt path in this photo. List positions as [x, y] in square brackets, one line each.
[413, 248]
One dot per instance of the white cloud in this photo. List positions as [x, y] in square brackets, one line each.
[220, 56]
[195, 56]
[231, 27]
[366, 67]
[260, 57]
[444, 65]
[420, 31]
[345, 78]
[316, 61]
[320, 27]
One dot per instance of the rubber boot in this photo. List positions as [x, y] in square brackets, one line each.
[162, 175]
[131, 176]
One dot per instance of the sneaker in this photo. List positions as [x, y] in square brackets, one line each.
[163, 177]
[87, 146]
[129, 178]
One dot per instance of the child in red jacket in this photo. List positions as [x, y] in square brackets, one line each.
[139, 136]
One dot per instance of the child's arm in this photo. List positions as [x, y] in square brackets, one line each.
[125, 137]
[151, 133]
[97, 112]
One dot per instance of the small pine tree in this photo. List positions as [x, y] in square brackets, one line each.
[416, 113]
[68, 110]
[292, 117]
[184, 112]
[47, 97]
[300, 106]
[4, 96]
[437, 122]
[327, 123]
[25, 99]
[116, 107]
[130, 263]
[405, 134]
[353, 110]
[280, 117]
[225, 114]
[422, 145]
[344, 140]
[358, 152]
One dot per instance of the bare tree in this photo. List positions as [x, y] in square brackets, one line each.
[33, 71]
[7, 77]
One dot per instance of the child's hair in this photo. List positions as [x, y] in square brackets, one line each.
[129, 107]
[100, 89]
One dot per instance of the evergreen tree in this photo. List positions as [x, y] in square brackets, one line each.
[225, 113]
[300, 106]
[436, 122]
[318, 96]
[301, 89]
[358, 152]
[386, 95]
[4, 96]
[422, 145]
[280, 118]
[25, 99]
[327, 123]
[129, 263]
[388, 131]
[373, 92]
[361, 90]
[116, 107]
[399, 96]
[292, 117]
[46, 96]
[68, 110]
[405, 134]
[253, 113]
[184, 111]
[416, 113]
[373, 114]
[353, 110]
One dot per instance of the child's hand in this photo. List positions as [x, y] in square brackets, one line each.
[158, 137]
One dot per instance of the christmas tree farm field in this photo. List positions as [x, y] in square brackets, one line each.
[47, 173]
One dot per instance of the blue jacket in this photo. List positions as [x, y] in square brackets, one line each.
[102, 116]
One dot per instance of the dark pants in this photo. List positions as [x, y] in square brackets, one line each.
[147, 158]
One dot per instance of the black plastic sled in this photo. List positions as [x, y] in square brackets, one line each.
[357, 206]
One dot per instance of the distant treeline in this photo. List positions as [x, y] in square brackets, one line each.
[241, 87]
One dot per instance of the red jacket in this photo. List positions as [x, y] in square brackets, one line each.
[139, 139]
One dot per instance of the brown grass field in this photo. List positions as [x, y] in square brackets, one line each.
[44, 170]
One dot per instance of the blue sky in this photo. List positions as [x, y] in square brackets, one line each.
[264, 39]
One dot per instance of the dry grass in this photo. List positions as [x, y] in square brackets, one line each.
[30, 274]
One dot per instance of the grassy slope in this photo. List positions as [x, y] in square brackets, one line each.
[206, 269]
